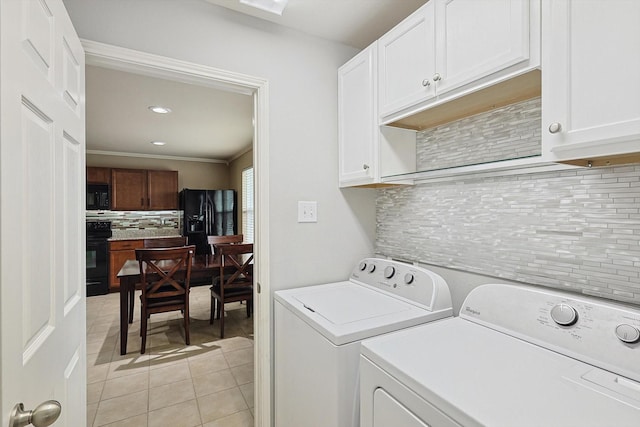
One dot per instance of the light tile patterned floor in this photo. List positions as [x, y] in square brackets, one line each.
[206, 384]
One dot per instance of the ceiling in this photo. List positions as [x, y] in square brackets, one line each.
[206, 123]
[355, 23]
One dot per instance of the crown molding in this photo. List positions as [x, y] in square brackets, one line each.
[156, 156]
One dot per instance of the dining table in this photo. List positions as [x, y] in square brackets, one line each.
[202, 266]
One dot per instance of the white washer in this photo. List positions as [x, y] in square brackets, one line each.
[318, 330]
[516, 356]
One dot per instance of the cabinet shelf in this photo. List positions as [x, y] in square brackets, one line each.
[520, 166]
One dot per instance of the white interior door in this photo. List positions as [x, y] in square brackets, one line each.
[42, 257]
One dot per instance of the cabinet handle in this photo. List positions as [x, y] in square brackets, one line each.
[365, 166]
[426, 83]
[437, 77]
[555, 127]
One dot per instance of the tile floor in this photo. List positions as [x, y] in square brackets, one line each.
[206, 384]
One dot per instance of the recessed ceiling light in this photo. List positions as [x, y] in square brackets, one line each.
[158, 143]
[273, 6]
[160, 110]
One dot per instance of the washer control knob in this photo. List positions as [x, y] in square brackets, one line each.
[389, 272]
[408, 279]
[627, 333]
[372, 268]
[564, 314]
[362, 266]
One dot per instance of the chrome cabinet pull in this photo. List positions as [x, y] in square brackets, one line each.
[437, 77]
[365, 166]
[426, 83]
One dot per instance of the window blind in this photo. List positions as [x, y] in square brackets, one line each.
[247, 204]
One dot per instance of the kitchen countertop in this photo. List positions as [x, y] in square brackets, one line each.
[118, 238]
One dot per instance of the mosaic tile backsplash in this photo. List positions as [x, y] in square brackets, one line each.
[506, 133]
[576, 230]
[135, 224]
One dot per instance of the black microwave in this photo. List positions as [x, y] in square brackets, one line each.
[97, 197]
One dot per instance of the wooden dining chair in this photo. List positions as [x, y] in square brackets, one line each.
[165, 242]
[235, 280]
[231, 238]
[164, 277]
[158, 242]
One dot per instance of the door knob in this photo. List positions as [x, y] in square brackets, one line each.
[44, 415]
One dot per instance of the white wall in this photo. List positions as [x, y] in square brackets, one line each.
[303, 119]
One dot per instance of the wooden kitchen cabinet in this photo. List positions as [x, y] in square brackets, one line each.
[162, 190]
[366, 151]
[590, 84]
[449, 48]
[119, 252]
[97, 175]
[128, 189]
[136, 189]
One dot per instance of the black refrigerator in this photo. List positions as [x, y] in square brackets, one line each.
[208, 212]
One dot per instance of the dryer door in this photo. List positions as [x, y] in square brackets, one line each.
[387, 411]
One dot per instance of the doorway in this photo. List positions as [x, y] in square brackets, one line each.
[107, 56]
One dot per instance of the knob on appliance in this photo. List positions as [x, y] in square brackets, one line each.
[408, 278]
[564, 315]
[389, 272]
[362, 266]
[372, 268]
[627, 333]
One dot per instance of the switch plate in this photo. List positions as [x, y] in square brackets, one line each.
[307, 211]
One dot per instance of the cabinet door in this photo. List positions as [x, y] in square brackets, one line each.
[590, 83]
[128, 189]
[162, 187]
[477, 38]
[356, 119]
[117, 258]
[406, 57]
[98, 175]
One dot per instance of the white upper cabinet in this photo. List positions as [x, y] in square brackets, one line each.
[357, 119]
[449, 48]
[479, 38]
[408, 61]
[591, 80]
[366, 151]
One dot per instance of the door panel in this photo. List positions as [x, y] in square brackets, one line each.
[38, 34]
[407, 59]
[475, 39]
[42, 332]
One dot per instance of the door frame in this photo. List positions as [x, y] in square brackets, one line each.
[118, 58]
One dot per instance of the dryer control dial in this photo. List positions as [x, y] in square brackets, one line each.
[408, 278]
[362, 266]
[564, 314]
[627, 333]
[389, 272]
[372, 268]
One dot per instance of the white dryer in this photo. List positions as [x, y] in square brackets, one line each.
[318, 330]
[516, 356]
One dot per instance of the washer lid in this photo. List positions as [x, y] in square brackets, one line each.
[345, 312]
[350, 303]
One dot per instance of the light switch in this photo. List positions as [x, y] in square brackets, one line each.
[307, 211]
